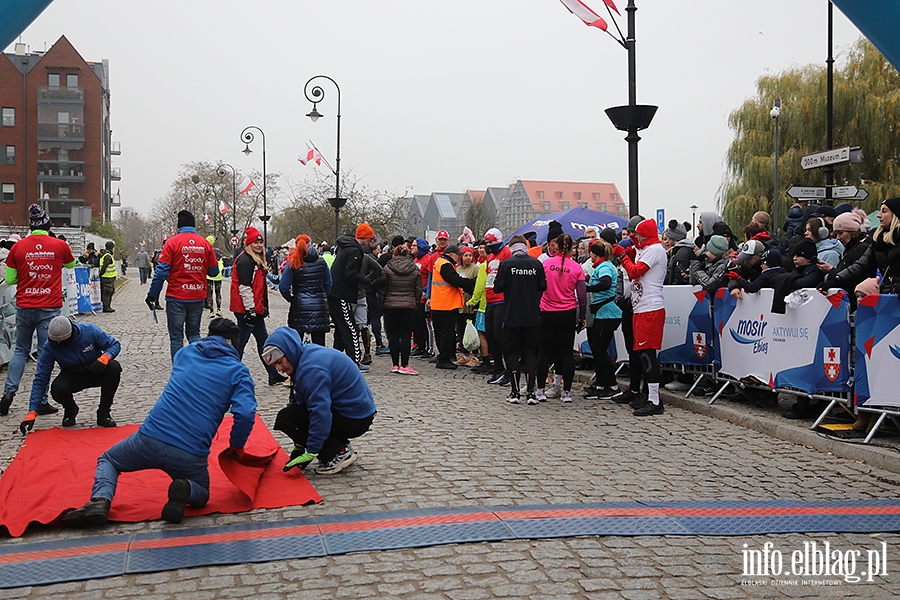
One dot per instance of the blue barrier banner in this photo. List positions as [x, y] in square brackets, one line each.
[807, 348]
[877, 350]
[83, 284]
[688, 333]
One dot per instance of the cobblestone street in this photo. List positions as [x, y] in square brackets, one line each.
[447, 439]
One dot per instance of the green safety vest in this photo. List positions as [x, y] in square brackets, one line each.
[217, 277]
[111, 272]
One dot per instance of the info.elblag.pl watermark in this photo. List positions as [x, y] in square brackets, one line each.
[813, 564]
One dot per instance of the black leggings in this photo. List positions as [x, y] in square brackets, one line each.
[601, 334]
[399, 324]
[557, 346]
[634, 363]
[494, 332]
[649, 365]
[294, 420]
[521, 344]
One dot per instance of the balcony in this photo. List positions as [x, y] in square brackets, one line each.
[115, 148]
[115, 173]
[49, 94]
[61, 135]
[61, 171]
[61, 208]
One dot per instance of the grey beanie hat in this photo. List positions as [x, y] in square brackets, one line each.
[718, 245]
[633, 222]
[676, 231]
[60, 329]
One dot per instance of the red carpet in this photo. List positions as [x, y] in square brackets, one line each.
[54, 470]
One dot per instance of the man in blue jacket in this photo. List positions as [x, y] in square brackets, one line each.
[330, 402]
[207, 380]
[86, 356]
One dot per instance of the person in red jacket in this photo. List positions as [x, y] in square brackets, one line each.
[250, 297]
[34, 265]
[185, 261]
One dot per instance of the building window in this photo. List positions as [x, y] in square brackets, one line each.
[565, 205]
[559, 195]
[541, 195]
[53, 80]
[615, 197]
[547, 206]
[72, 80]
[8, 192]
[10, 155]
[621, 209]
[8, 117]
[596, 195]
[584, 205]
[578, 195]
[603, 207]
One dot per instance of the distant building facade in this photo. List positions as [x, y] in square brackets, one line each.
[529, 199]
[56, 144]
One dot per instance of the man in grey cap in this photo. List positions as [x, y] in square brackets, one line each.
[86, 356]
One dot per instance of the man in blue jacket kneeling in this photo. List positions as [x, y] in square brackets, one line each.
[330, 402]
[207, 380]
[86, 356]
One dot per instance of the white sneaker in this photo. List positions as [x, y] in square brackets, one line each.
[513, 398]
[344, 459]
[567, 396]
[541, 396]
[677, 386]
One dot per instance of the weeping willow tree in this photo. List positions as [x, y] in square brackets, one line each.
[866, 114]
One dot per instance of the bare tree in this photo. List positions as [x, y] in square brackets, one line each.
[479, 219]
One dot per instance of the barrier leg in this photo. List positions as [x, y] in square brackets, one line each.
[824, 414]
[693, 387]
[875, 427]
[619, 368]
[717, 394]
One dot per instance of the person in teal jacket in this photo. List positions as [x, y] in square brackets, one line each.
[86, 356]
[330, 401]
[208, 379]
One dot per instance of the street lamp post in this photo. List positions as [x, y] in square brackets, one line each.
[694, 219]
[247, 137]
[775, 113]
[316, 94]
[221, 172]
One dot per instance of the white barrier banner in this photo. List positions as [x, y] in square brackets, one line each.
[806, 349]
[877, 351]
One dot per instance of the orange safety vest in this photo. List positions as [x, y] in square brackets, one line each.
[444, 296]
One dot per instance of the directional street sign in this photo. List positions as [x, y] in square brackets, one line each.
[860, 195]
[838, 156]
[844, 191]
[797, 192]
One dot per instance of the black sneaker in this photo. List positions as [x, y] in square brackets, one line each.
[5, 402]
[626, 397]
[592, 392]
[648, 408]
[179, 492]
[426, 355]
[69, 417]
[496, 377]
[104, 420]
[446, 365]
[46, 409]
[609, 392]
[93, 514]
[504, 381]
[513, 398]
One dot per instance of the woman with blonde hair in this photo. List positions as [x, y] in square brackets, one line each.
[250, 297]
[305, 283]
[883, 254]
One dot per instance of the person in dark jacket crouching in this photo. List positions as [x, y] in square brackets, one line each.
[330, 402]
[207, 380]
[85, 354]
[305, 284]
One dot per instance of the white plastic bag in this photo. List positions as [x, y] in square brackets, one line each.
[471, 341]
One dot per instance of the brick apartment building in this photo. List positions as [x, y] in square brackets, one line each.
[55, 136]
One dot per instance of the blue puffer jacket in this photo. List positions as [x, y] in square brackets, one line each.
[324, 380]
[307, 290]
[77, 354]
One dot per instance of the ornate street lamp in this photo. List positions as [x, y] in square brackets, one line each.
[221, 172]
[247, 137]
[316, 94]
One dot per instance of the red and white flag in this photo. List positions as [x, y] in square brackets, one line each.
[583, 12]
[312, 154]
[206, 218]
[119, 195]
[245, 186]
[223, 208]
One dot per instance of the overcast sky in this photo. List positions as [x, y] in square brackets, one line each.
[437, 95]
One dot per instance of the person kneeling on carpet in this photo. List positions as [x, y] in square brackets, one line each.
[330, 402]
[86, 356]
[207, 380]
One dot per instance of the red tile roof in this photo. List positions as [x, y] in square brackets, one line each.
[558, 192]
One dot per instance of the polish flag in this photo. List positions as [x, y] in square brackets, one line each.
[312, 154]
[119, 195]
[245, 186]
[206, 218]
[223, 208]
[583, 12]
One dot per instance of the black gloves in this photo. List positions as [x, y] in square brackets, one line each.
[152, 303]
[28, 422]
[250, 319]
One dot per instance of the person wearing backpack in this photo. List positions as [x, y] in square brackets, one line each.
[607, 317]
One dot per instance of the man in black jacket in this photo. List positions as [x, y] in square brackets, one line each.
[522, 281]
[346, 277]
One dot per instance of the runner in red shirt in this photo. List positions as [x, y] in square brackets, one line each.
[186, 259]
[34, 266]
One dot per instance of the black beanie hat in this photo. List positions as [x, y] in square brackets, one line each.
[225, 328]
[609, 235]
[894, 205]
[397, 241]
[807, 249]
[554, 230]
[185, 219]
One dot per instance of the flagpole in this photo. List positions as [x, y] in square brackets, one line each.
[315, 95]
